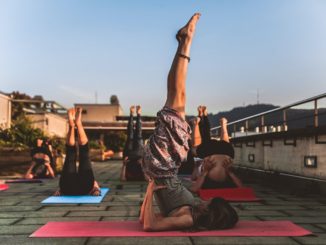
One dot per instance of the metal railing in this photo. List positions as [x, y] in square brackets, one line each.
[279, 119]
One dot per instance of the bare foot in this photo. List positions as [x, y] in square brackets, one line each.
[187, 32]
[138, 109]
[132, 110]
[200, 111]
[204, 110]
[223, 122]
[78, 120]
[71, 117]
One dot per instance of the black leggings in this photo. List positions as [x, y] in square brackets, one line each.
[73, 182]
[205, 129]
[134, 145]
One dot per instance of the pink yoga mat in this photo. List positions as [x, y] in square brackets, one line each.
[244, 194]
[3, 187]
[134, 229]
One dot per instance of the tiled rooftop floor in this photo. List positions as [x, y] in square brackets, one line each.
[21, 213]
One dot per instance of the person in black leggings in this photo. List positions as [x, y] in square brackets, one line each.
[81, 181]
[215, 170]
[133, 151]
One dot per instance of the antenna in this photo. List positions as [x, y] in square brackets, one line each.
[95, 97]
[257, 96]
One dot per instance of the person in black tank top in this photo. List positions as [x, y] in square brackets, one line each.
[40, 166]
[217, 155]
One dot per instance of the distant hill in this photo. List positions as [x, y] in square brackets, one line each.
[296, 118]
[239, 113]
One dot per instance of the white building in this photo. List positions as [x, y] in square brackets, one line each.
[5, 111]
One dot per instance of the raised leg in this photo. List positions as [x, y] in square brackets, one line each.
[176, 96]
[82, 137]
[138, 140]
[205, 126]
[224, 130]
[130, 133]
[71, 131]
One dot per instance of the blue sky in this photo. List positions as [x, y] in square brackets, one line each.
[69, 50]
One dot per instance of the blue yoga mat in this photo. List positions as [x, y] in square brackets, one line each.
[76, 199]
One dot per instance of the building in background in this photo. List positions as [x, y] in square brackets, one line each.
[50, 123]
[49, 116]
[5, 111]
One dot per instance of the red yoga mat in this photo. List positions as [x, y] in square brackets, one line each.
[134, 229]
[3, 187]
[241, 194]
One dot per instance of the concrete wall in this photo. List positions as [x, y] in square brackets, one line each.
[5, 111]
[51, 124]
[100, 113]
[284, 158]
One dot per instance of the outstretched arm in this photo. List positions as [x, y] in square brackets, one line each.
[228, 169]
[50, 170]
[123, 169]
[197, 184]
[28, 174]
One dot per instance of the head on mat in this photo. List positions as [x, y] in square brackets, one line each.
[215, 214]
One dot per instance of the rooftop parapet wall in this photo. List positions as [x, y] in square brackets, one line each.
[284, 154]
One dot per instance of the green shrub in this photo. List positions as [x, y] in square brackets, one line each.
[115, 141]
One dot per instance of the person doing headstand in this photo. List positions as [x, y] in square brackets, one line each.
[73, 182]
[215, 170]
[133, 151]
[164, 152]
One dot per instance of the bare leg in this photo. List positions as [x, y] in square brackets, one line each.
[176, 97]
[71, 130]
[224, 130]
[82, 139]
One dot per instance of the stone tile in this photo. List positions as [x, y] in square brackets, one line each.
[42, 221]
[260, 213]
[309, 213]
[19, 208]
[7, 221]
[297, 220]
[312, 228]
[243, 240]
[274, 207]
[323, 226]
[23, 239]
[18, 229]
[103, 213]
[73, 208]
[135, 218]
[121, 208]
[314, 240]
[31, 214]
[140, 240]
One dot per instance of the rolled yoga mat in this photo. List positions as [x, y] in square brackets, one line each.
[239, 194]
[76, 199]
[134, 229]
